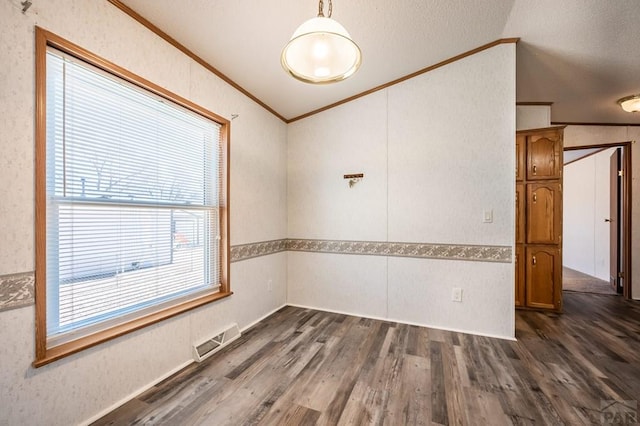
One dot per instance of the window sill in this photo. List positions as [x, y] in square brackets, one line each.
[69, 348]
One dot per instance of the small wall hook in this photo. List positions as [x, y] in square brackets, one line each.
[26, 4]
[234, 116]
[354, 178]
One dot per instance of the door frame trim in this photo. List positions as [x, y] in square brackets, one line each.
[626, 206]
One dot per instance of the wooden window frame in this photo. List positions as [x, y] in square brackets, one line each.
[44, 354]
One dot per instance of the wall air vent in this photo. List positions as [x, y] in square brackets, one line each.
[208, 347]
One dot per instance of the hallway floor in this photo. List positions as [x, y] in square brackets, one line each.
[573, 280]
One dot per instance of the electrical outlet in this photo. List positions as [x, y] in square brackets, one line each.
[456, 295]
[270, 285]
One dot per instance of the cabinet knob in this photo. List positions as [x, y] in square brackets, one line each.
[533, 260]
[535, 170]
[535, 197]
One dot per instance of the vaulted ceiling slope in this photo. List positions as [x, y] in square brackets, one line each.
[582, 55]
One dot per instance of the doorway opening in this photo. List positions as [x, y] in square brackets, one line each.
[597, 219]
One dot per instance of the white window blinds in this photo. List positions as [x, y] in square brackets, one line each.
[133, 184]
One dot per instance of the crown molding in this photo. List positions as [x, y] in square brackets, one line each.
[136, 16]
[408, 76]
[153, 28]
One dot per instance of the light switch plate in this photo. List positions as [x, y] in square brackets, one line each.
[487, 216]
[456, 295]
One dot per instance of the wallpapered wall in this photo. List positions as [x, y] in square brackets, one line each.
[437, 151]
[79, 387]
[428, 181]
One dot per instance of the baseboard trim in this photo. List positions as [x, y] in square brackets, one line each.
[242, 330]
[435, 327]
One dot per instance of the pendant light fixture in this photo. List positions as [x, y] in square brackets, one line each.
[321, 51]
[630, 103]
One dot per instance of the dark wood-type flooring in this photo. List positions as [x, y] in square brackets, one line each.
[304, 367]
[573, 280]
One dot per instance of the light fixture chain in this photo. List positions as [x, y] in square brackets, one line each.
[321, 9]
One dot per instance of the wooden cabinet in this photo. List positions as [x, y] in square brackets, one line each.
[520, 284]
[539, 219]
[521, 142]
[544, 155]
[543, 277]
[544, 213]
[520, 219]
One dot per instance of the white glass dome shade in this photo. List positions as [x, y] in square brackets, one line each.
[630, 103]
[321, 51]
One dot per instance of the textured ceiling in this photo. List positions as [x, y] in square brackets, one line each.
[582, 55]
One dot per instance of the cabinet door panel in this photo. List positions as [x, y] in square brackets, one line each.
[521, 141]
[544, 156]
[544, 213]
[520, 218]
[520, 284]
[543, 278]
